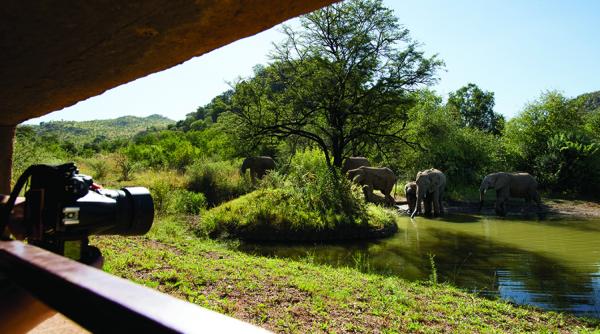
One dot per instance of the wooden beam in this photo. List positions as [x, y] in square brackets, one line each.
[101, 302]
[7, 137]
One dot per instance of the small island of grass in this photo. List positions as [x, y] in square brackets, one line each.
[307, 204]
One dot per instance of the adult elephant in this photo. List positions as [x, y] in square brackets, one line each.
[354, 162]
[431, 184]
[258, 166]
[520, 185]
[375, 178]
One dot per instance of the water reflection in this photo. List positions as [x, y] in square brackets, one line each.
[554, 264]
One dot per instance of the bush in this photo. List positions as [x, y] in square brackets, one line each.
[187, 202]
[281, 214]
[218, 181]
[99, 168]
[310, 204]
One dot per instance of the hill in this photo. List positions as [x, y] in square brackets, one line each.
[590, 101]
[86, 131]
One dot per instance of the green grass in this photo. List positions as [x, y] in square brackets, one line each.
[301, 297]
[287, 214]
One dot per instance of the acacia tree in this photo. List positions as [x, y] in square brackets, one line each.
[343, 81]
[475, 108]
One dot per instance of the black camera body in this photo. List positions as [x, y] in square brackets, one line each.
[63, 208]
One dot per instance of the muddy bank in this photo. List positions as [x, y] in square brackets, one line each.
[551, 207]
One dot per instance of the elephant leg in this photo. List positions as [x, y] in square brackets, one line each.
[442, 211]
[538, 201]
[500, 205]
[436, 203]
[389, 198]
[427, 203]
[368, 191]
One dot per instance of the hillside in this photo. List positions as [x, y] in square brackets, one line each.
[590, 101]
[118, 128]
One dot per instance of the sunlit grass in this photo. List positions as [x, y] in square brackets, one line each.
[300, 296]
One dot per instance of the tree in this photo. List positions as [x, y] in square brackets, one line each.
[549, 139]
[343, 82]
[475, 109]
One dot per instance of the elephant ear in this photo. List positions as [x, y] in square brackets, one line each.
[435, 180]
[501, 181]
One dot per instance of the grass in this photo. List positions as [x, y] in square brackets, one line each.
[298, 297]
[287, 214]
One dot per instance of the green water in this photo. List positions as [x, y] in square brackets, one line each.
[553, 264]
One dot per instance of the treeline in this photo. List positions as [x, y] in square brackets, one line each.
[553, 137]
[351, 82]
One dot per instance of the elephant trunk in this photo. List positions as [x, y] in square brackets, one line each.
[418, 203]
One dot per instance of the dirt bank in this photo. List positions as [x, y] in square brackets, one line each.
[551, 206]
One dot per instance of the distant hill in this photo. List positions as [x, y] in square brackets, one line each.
[590, 101]
[86, 131]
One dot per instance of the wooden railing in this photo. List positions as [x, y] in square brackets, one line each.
[101, 302]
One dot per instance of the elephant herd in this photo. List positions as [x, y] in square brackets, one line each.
[427, 189]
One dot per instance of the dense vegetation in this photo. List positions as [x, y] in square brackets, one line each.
[349, 82]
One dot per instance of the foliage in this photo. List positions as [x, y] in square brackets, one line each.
[89, 137]
[550, 138]
[99, 167]
[205, 115]
[29, 149]
[125, 166]
[475, 108]
[162, 149]
[219, 181]
[570, 164]
[186, 202]
[310, 204]
[341, 82]
[464, 154]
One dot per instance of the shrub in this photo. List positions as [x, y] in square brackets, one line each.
[187, 202]
[125, 166]
[310, 204]
[99, 168]
[218, 181]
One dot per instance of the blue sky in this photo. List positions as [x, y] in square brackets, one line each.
[516, 49]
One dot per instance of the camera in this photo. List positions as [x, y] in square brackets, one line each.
[63, 208]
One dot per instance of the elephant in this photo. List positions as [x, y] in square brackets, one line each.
[521, 185]
[354, 162]
[410, 191]
[382, 179]
[258, 166]
[431, 184]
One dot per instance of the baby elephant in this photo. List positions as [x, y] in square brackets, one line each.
[382, 179]
[410, 191]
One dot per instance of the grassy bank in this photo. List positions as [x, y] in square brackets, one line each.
[286, 214]
[300, 297]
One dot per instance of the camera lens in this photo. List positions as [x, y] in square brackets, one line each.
[129, 211]
[142, 209]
